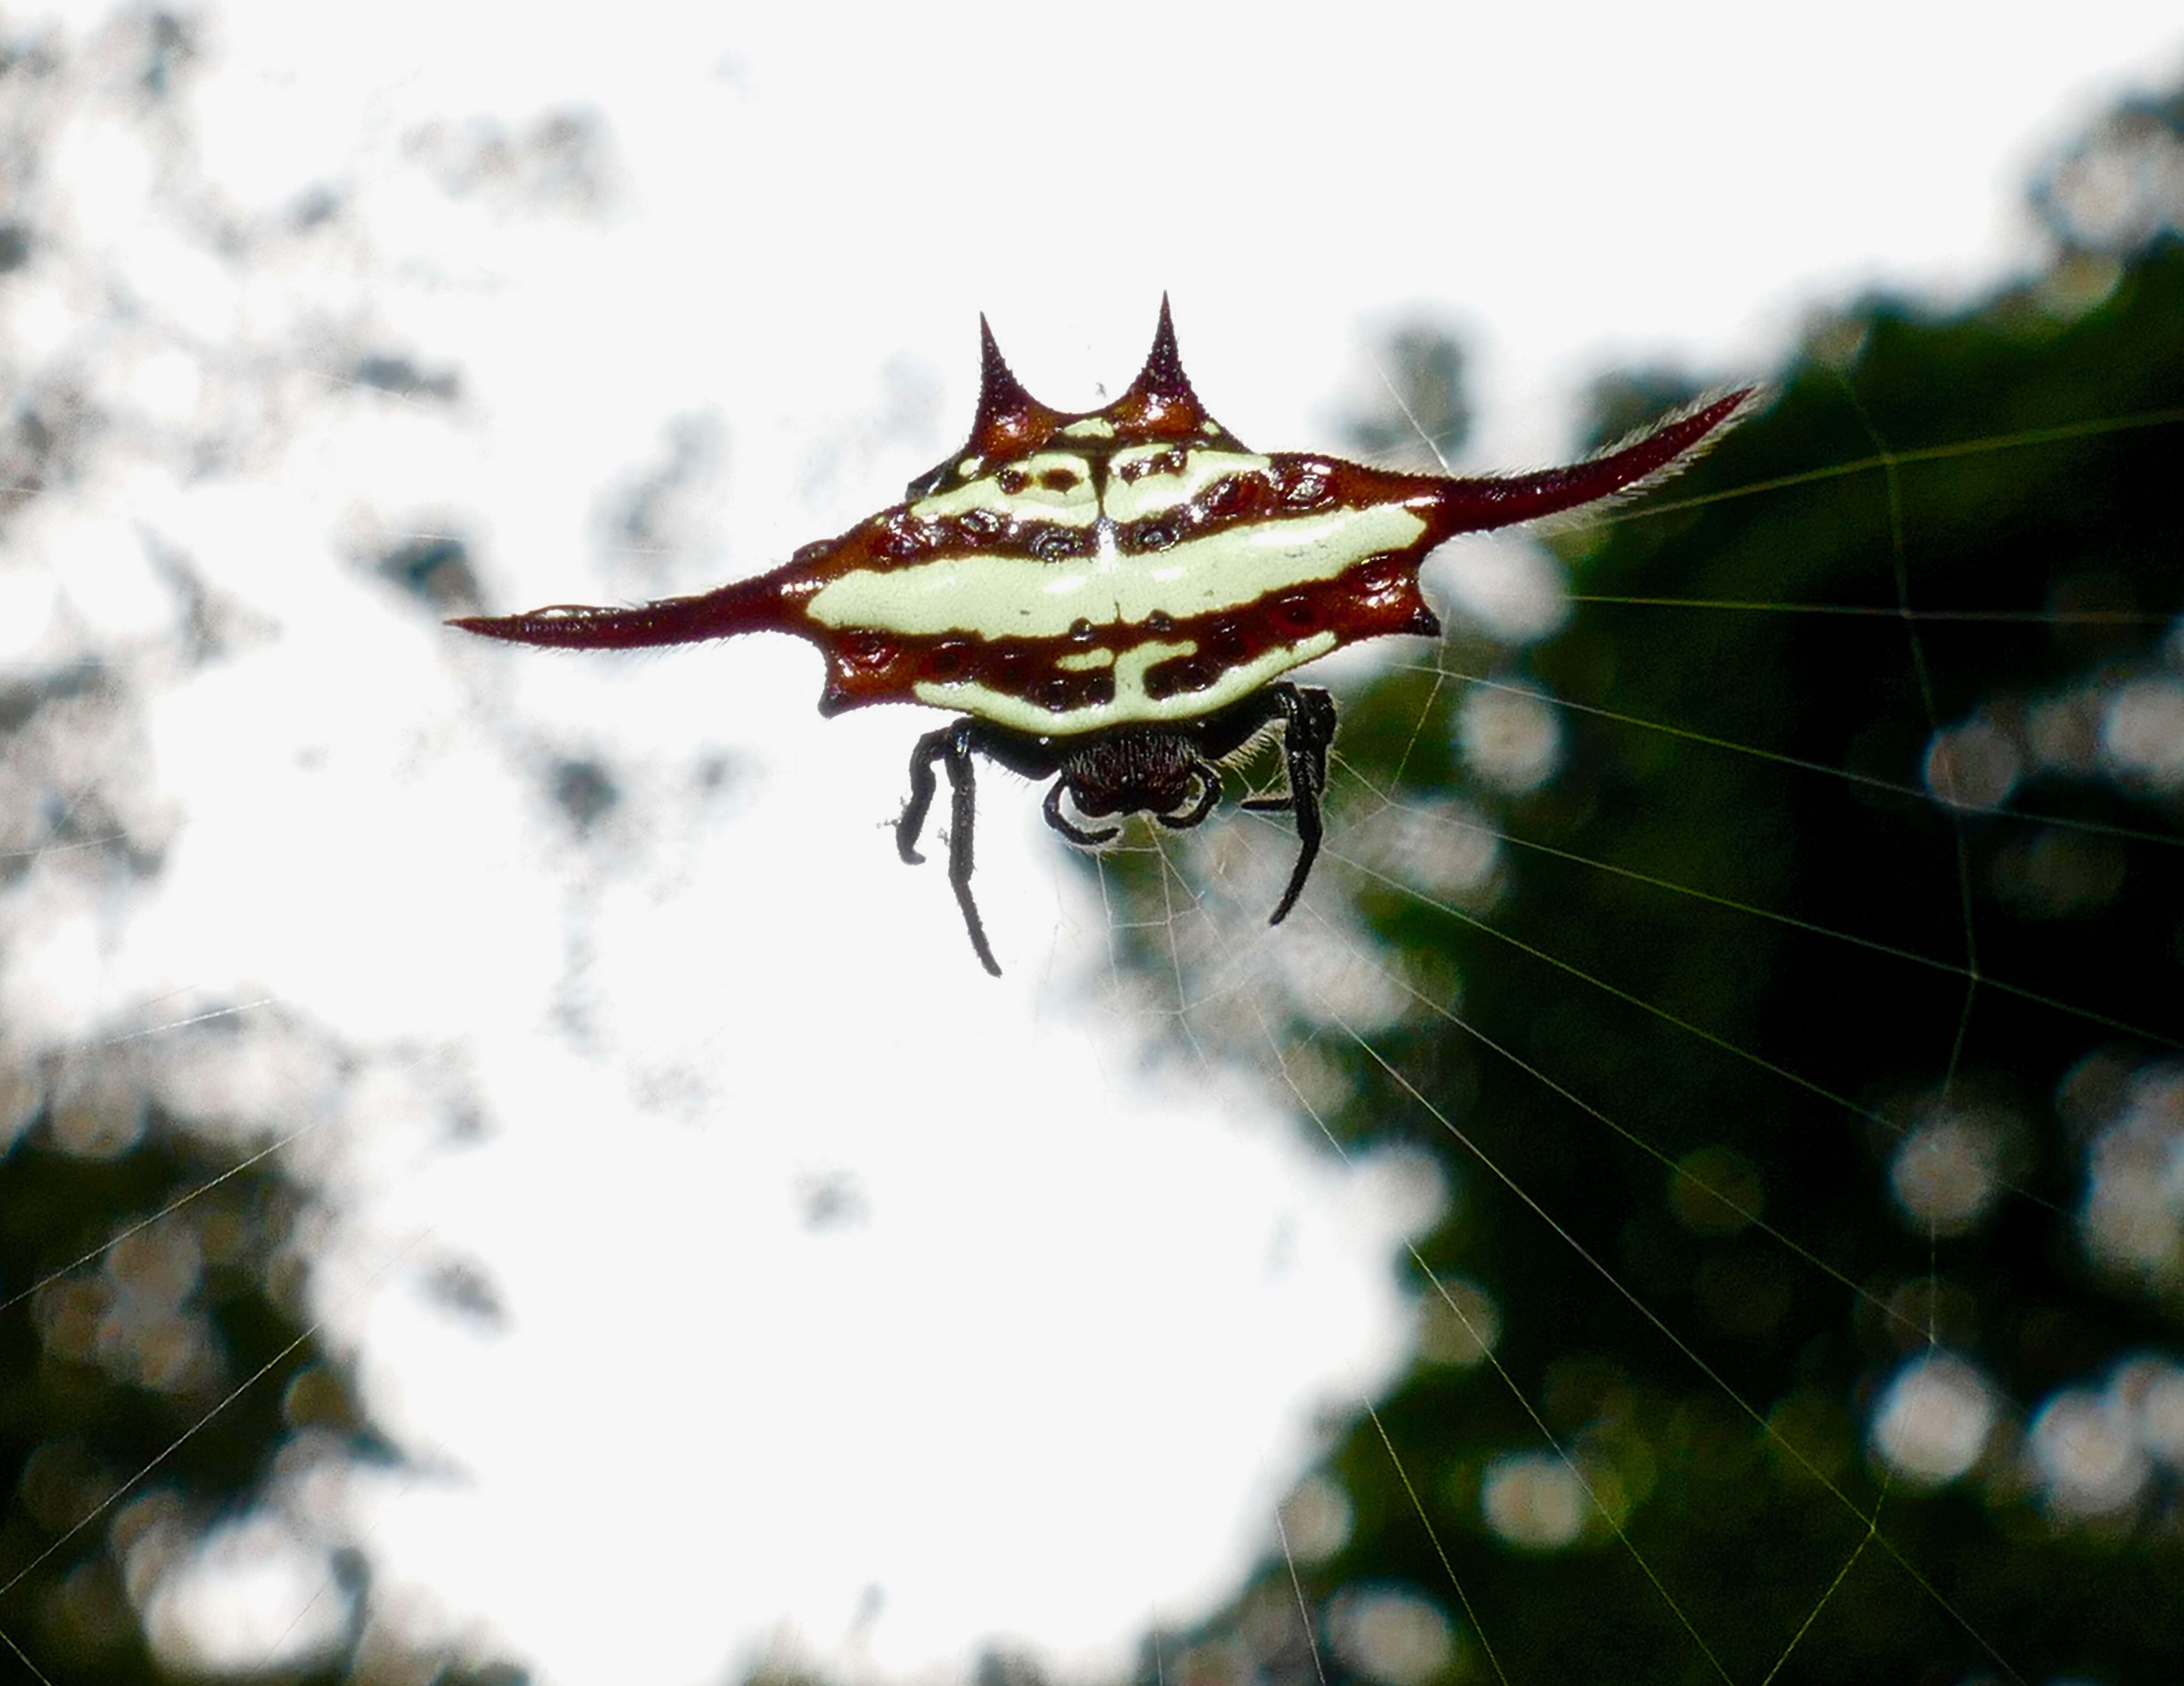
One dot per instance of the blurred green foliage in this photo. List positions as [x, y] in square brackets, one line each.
[120, 1436]
[160, 1376]
[1738, 934]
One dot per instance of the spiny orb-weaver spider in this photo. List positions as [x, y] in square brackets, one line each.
[1110, 597]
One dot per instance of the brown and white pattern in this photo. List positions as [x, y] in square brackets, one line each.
[1110, 599]
[1065, 574]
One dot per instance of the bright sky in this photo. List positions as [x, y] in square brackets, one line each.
[1045, 1371]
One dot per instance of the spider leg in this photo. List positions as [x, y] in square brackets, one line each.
[962, 811]
[1076, 834]
[930, 748]
[1209, 778]
[952, 744]
[1307, 729]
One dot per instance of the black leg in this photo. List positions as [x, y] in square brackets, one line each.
[1307, 729]
[1076, 834]
[953, 744]
[1209, 793]
[930, 748]
[963, 812]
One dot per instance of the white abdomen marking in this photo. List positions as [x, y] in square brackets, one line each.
[995, 595]
[1131, 705]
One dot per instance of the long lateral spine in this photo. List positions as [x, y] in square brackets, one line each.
[757, 604]
[1503, 501]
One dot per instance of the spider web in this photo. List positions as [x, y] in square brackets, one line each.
[1382, 1002]
[1315, 1019]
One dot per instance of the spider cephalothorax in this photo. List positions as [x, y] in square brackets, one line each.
[1110, 599]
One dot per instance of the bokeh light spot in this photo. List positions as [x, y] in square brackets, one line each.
[1398, 1637]
[2088, 1457]
[1442, 849]
[1946, 1173]
[2143, 732]
[1459, 1323]
[1973, 766]
[254, 1596]
[100, 1115]
[1536, 1500]
[1934, 1420]
[2132, 1216]
[1511, 740]
[1315, 1518]
[2155, 1389]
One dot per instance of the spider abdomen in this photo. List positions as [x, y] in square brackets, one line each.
[1112, 598]
[1068, 574]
